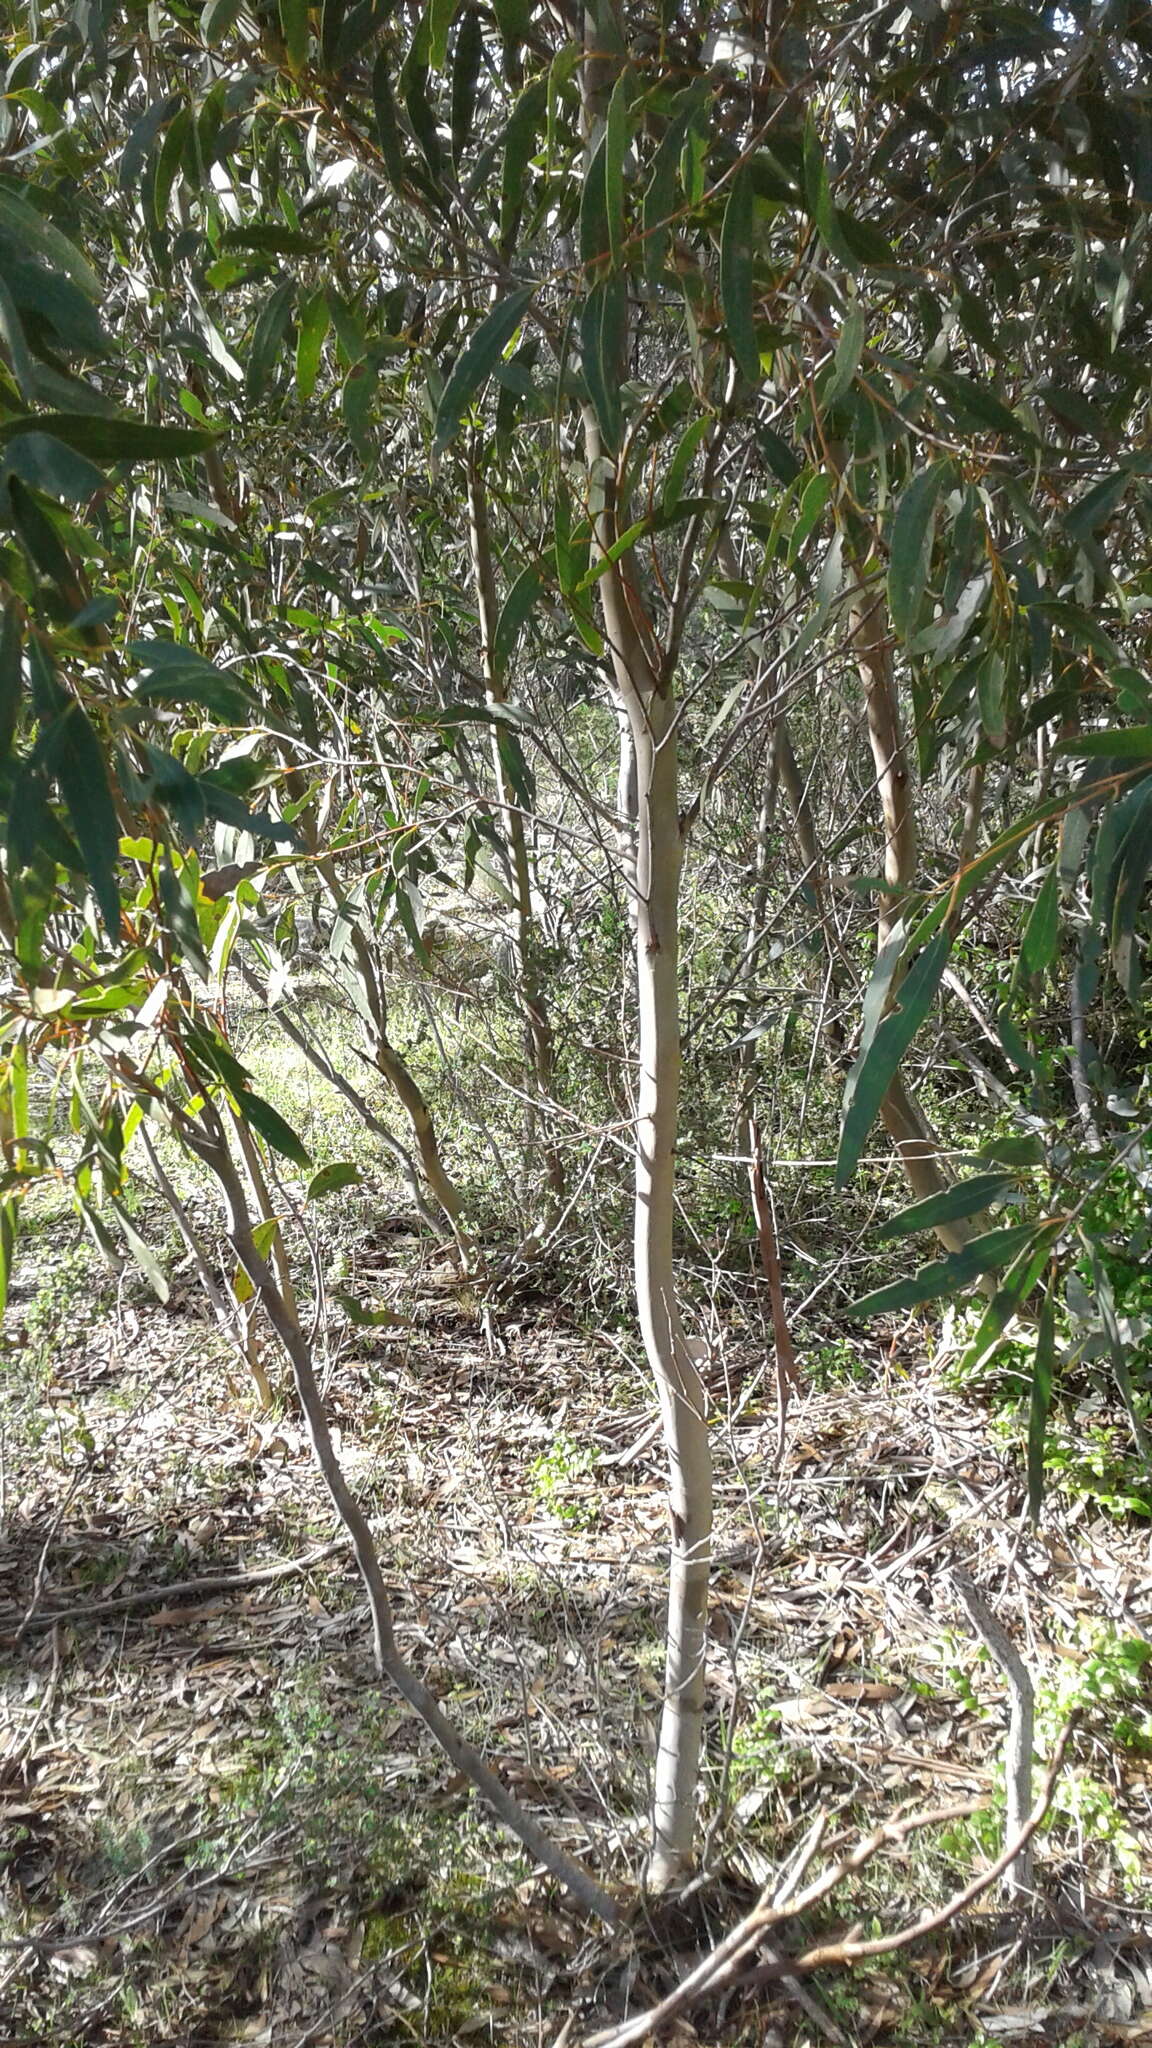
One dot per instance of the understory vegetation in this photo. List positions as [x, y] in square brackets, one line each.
[575, 1215]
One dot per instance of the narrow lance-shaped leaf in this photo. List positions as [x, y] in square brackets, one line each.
[294, 26]
[876, 1067]
[476, 362]
[271, 1126]
[388, 134]
[1105, 1302]
[465, 74]
[1040, 1400]
[75, 755]
[949, 1275]
[602, 331]
[11, 676]
[517, 607]
[1042, 931]
[736, 274]
[1010, 1295]
[967, 1198]
[616, 139]
[111, 440]
[910, 551]
[342, 1174]
[594, 238]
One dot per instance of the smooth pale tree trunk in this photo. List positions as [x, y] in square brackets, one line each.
[649, 705]
[644, 696]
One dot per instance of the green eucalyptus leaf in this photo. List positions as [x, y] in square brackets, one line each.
[910, 548]
[966, 1198]
[953, 1274]
[880, 1060]
[476, 362]
[74, 755]
[342, 1174]
[737, 295]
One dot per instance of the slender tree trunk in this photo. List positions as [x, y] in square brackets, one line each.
[643, 690]
[383, 1054]
[650, 709]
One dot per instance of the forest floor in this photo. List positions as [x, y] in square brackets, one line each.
[215, 1827]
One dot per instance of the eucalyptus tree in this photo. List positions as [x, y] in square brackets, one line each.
[730, 359]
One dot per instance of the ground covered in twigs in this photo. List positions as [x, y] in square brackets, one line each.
[216, 1828]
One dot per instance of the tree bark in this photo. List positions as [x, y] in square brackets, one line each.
[650, 709]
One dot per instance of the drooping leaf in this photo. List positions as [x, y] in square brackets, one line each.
[174, 673]
[388, 133]
[267, 339]
[521, 139]
[880, 1060]
[595, 242]
[468, 57]
[515, 611]
[1118, 743]
[11, 676]
[312, 326]
[1040, 1399]
[950, 1275]
[662, 197]
[1117, 1349]
[25, 227]
[966, 1198]
[476, 361]
[1010, 1296]
[271, 1126]
[342, 1174]
[294, 28]
[737, 296]
[910, 549]
[616, 142]
[603, 322]
[849, 348]
[107, 440]
[367, 1318]
[52, 467]
[75, 756]
[143, 1254]
[1042, 931]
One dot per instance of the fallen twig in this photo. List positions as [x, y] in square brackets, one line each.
[723, 1968]
[786, 1375]
[183, 1589]
[1018, 1749]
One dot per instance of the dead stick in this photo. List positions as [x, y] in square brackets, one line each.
[219, 1582]
[786, 1375]
[1018, 1749]
[721, 1969]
